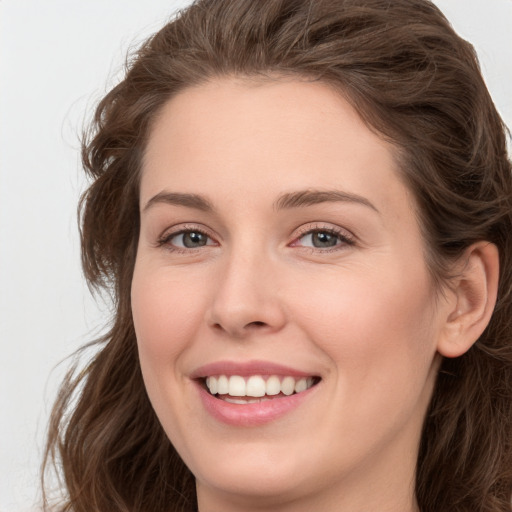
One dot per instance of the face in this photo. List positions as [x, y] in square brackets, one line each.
[280, 258]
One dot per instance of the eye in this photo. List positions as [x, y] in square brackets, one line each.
[320, 239]
[187, 239]
[323, 239]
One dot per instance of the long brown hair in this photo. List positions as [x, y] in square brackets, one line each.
[413, 81]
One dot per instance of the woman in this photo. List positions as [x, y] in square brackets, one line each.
[304, 212]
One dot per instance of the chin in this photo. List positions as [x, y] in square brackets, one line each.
[266, 483]
[260, 471]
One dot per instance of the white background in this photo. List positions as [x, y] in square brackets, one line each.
[57, 58]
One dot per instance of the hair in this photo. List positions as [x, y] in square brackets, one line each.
[416, 83]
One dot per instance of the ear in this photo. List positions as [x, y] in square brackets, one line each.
[472, 297]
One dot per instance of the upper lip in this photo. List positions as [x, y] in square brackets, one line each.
[247, 368]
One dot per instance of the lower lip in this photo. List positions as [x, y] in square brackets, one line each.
[250, 415]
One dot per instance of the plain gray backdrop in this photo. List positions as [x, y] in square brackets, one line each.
[57, 58]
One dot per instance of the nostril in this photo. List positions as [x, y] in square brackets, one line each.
[256, 324]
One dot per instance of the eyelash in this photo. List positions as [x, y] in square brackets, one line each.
[345, 238]
[165, 240]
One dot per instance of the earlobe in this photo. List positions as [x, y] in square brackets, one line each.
[473, 297]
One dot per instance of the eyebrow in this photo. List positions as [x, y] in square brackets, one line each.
[289, 200]
[311, 197]
[178, 199]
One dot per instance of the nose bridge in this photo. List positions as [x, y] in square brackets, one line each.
[246, 295]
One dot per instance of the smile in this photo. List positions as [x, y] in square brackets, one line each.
[252, 393]
[256, 388]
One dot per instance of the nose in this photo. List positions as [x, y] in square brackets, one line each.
[246, 299]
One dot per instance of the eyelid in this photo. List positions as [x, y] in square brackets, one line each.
[346, 237]
[170, 232]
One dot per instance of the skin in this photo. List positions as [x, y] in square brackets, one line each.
[363, 315]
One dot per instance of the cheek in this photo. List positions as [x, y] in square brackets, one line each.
[380, 341]
[377, 329]
[166, 313]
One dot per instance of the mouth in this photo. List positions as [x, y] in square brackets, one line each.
[250, 389]
[253, 393]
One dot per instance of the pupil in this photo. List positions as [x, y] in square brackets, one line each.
[324, 239]
[194, 239]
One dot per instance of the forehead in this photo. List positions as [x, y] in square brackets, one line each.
[257, 138]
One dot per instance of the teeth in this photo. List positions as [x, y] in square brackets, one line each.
[211, 383]
[244, 401]
[222, 385]
[273, 385]
[237, 386]
[288, 385]
[301, 385]
[256, 386]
